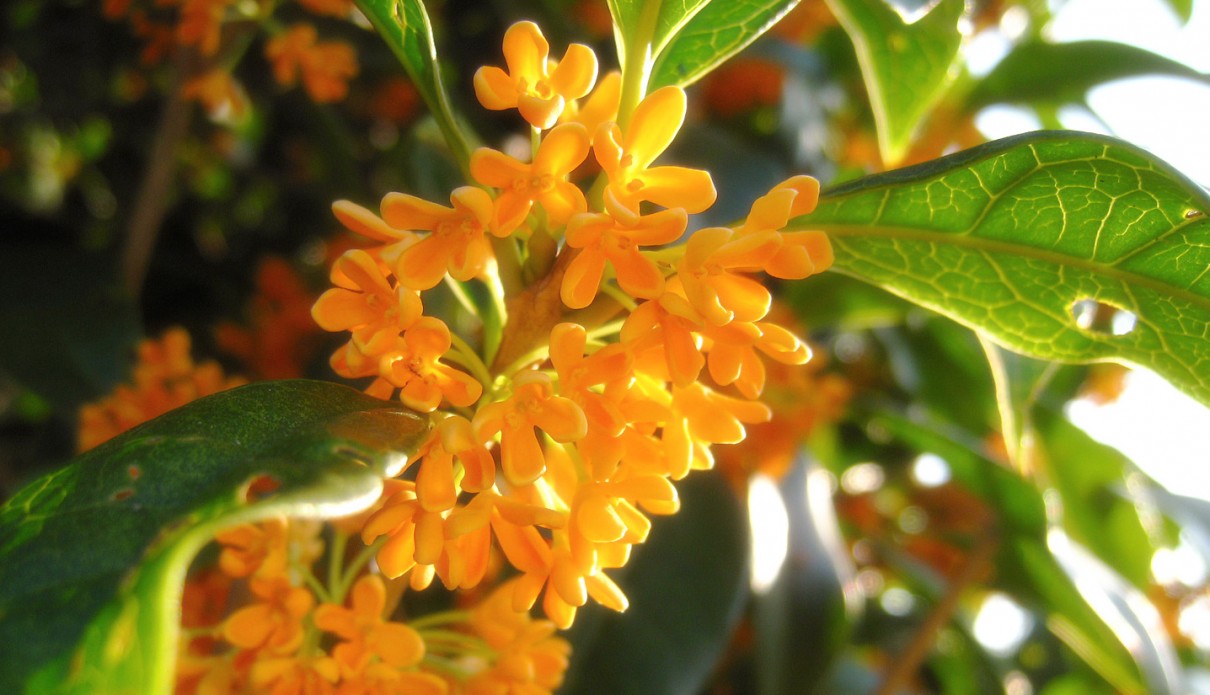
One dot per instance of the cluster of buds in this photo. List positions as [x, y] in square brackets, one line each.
[636, 346]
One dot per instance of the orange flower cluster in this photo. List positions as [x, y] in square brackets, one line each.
[553, 441]
[164, 378]
[294, 634]
[196, 26]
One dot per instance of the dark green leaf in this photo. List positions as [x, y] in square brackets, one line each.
[686, 586]
[405, 26]
[1057, 74]
[906, 64]
[92, 557]
[717, 32]
[1064, 246]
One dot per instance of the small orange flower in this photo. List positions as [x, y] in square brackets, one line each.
[366, 635]
[544, 181]
[615, 238]
[732, 357]
[219, 92]
[325, 67]
[533, 84]
[530, 658]
[331, 8]
[413, 365]
[600, 107]
[627, 158]
[365, 303]
[532, 405]
[716, 292]
[702, 417]
[201, 24]
[165, 377]
[294, 675]
[671, 325]
[456, 245]
[254, 549]
[274, 623]
[801, 253]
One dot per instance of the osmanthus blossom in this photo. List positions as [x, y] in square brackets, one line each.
[366, 304]
[274, 622]
[413, 365]
[731, 353]
[627, 157]
[365, 633]
[542, 182]
[532, 406]
[601, 106]
[456, 244]
[802, 253]
[708, 272]
[615, 238]
[534, 84]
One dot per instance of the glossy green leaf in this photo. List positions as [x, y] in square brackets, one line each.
[1038, 72]
[720, 30]
[93, 556]
[906, 61]
[1019, 382]
[405, 26]
[686, 587]
[641, 28]
[1064, 246]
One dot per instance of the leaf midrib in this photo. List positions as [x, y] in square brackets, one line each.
[1000, 247]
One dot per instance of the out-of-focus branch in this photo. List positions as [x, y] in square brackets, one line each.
[975, 568]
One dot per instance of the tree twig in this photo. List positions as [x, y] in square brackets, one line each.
[902, 668]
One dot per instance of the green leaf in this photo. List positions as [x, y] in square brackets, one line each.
[1038, 72]
[905, 61]
[93, 556]
[686, 587]
[720, 30]
[1182, 8]
[649, 23]
[1019, 383]
[1089, 476]
[1033, 239]
[405, 26]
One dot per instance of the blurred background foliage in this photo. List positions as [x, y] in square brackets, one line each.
[154, 176]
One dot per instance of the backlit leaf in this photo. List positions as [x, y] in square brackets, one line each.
[906, 59]
[720, 30]
[1064, 246]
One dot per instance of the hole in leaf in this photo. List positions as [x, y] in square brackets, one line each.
[1099, 317]
[260, 487]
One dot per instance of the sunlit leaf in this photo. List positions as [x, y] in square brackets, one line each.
[1057, 74]
[1091, 478]
[646, 26]
[1064, 246]
[93, 556]
[906, 60]
[720, 30]
[405, 26]
[686, 586]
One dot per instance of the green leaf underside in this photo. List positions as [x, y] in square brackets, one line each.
[1008, 237]
[1058, 74]
[92, 557]
[628, 16]
[906, 67]
[719, 31]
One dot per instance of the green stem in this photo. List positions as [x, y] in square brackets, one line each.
[616, 293]
[336, 558]
[472, 360]
[508, 264]
[441, 618]
[636, 68]
[339, 592]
